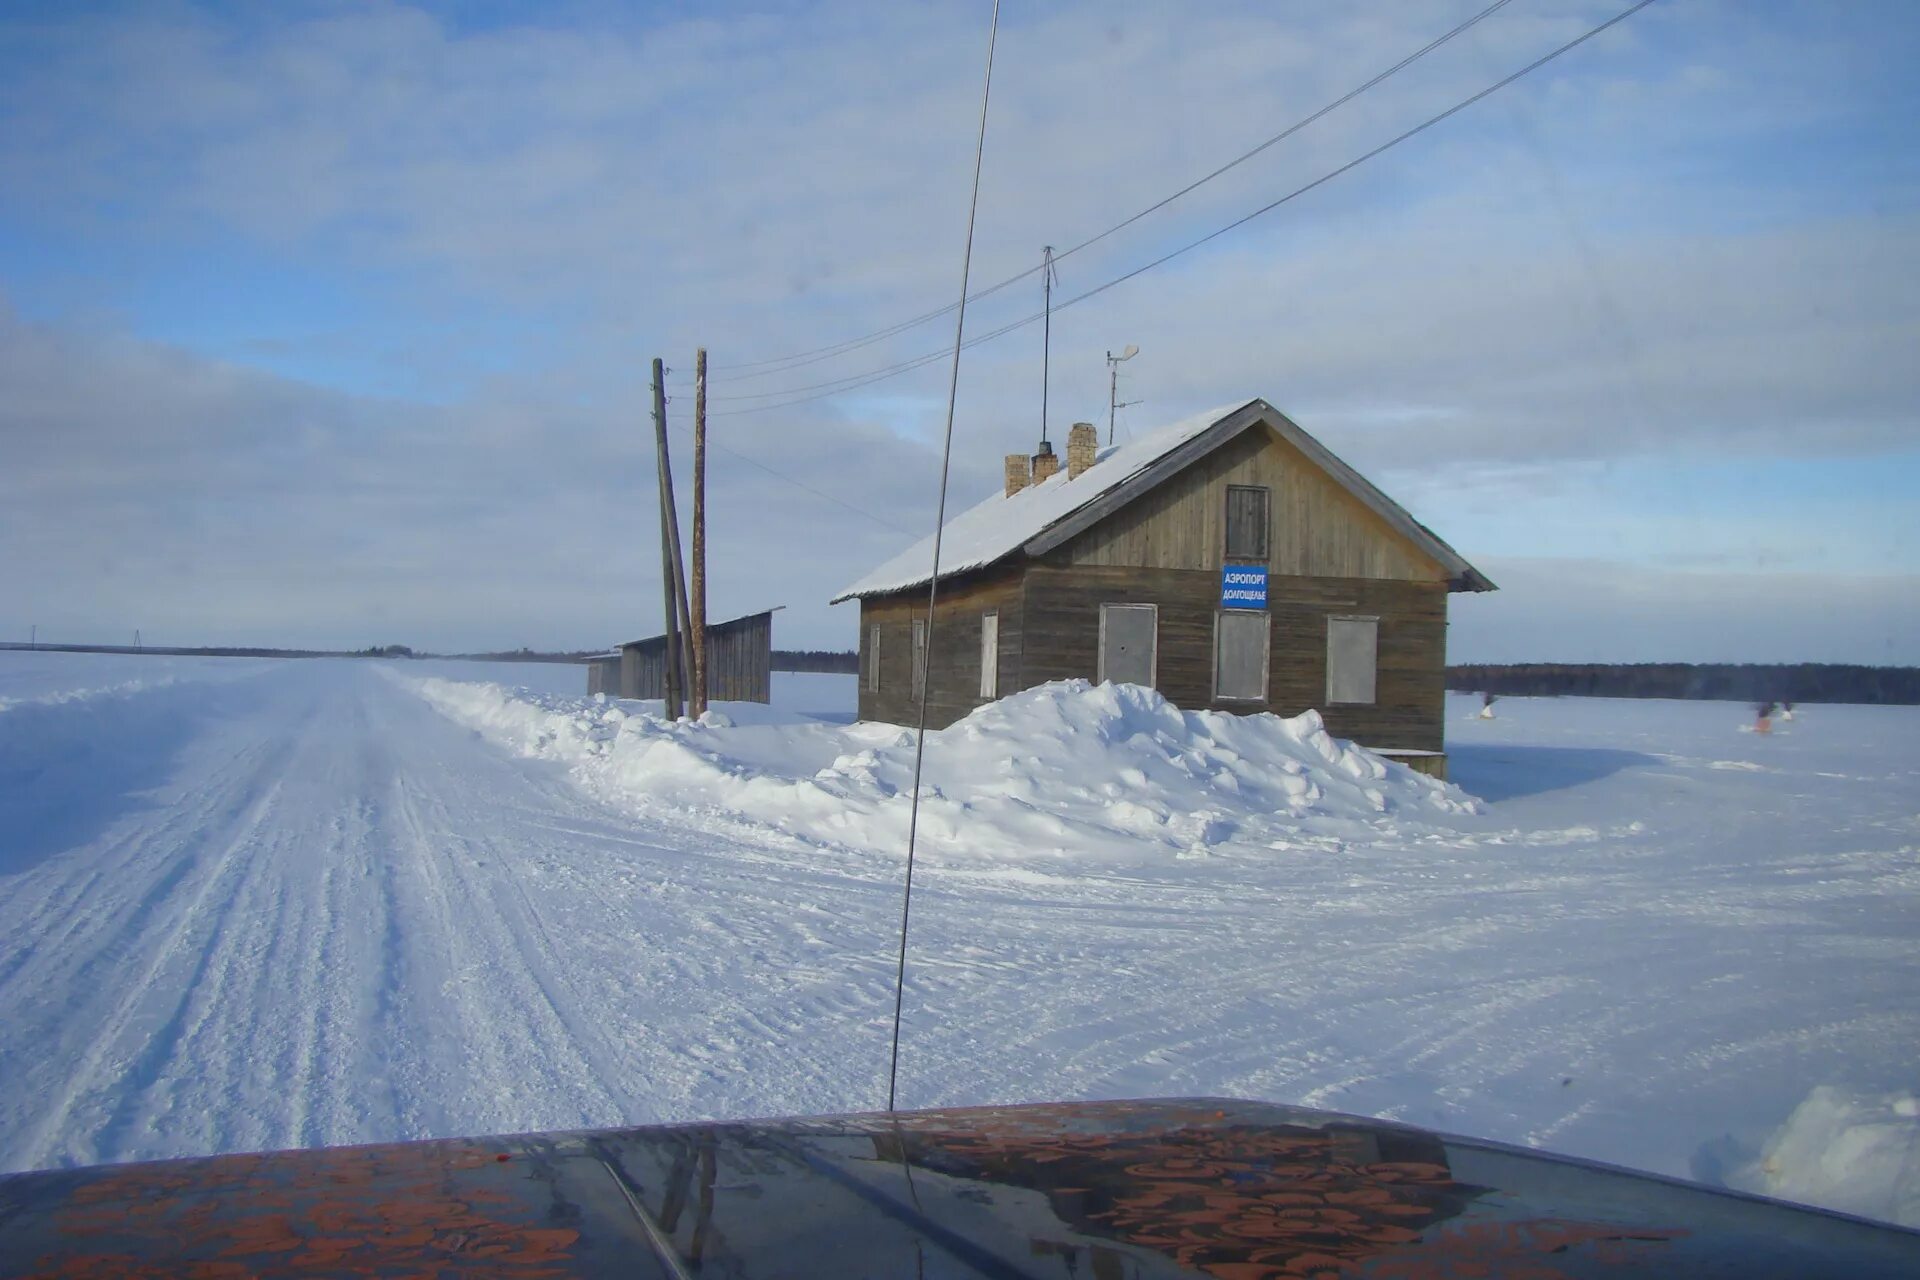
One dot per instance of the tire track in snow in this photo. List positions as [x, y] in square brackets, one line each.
[247, 1063]
[200, 986]
[204, 1066]
[520, 1024]
[67, 904]
[97, 1070]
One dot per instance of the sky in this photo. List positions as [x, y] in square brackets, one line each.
[330, 325]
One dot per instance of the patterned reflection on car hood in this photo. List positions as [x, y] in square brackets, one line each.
[1233, 1190]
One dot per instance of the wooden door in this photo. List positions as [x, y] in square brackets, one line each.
[1129, 635]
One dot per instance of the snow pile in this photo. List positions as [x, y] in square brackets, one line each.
[1847, 1150]
[1066, 768]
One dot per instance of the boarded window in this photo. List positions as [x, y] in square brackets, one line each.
[919, 659]
[1246, 522]
[1240, 656]
[990, 655]
[1353, 651]
[873, 659]
[1128, 633]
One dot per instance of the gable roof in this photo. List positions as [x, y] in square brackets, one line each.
[1045, 515]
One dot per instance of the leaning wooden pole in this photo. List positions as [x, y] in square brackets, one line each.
[698, 604]
[685, 649]
[670, 653]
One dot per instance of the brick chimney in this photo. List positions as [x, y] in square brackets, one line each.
[1082, 443]
[1045, 463]
[1017, 475]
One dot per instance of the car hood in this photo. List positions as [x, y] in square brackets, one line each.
[1080, 1191]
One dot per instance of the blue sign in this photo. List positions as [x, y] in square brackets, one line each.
[1243, 586]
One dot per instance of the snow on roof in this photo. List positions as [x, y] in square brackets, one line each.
[1001, 525]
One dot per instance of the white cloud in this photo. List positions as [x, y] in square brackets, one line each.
[149, 487]
[1551, 278]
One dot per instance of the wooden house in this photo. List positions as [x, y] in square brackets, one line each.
[739, 663]
[1229, 561]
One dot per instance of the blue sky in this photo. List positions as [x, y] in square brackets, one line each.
[329, 324]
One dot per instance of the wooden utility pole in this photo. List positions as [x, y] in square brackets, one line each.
[699, 603]
[670, 657]
[679, 560]
[685, 651]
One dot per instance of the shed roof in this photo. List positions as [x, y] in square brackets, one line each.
[1044, 515]
[711, 627]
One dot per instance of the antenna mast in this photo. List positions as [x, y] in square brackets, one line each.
[933, 581]
[1113, 386]
[1047, 275]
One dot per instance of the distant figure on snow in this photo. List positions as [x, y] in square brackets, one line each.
[1786, 711]
[1763, 717]
[1486, 705]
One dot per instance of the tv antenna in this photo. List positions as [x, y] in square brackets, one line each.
[1047, 276]
[1114, 403]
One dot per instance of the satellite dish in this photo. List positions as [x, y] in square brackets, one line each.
[1131, 351]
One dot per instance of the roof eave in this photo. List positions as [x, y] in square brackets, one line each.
[919, 584]
[1471, 580]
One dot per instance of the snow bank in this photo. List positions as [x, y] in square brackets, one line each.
[1847, 1150]
[68, 755]
[50, 677]
[120, 690]
[1066, 768]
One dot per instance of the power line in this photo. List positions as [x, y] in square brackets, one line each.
[813, 356]
[800, 484]
[819, 391]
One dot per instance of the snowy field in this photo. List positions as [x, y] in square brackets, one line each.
[250, 904]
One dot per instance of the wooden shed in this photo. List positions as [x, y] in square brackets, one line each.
[603, 674]
[739, 663]
[1229, 561]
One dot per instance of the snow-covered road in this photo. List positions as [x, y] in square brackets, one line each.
[298, 905]
[341, 917]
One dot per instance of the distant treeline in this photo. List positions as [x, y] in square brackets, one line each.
[846, 662]
[519, 655]
[180, 651]
[1718, 681]
[237, 651]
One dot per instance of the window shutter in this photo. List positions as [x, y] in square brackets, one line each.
[1240, 656]
[919, 659]
[990, 655]
[1247, 522]
[1353, 653]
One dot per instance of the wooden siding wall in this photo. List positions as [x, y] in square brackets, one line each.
[603, 676]
[740, 660]
[640, 670]
[739, 663]
[1061, 616]
[1319, 529]
[953, 665]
